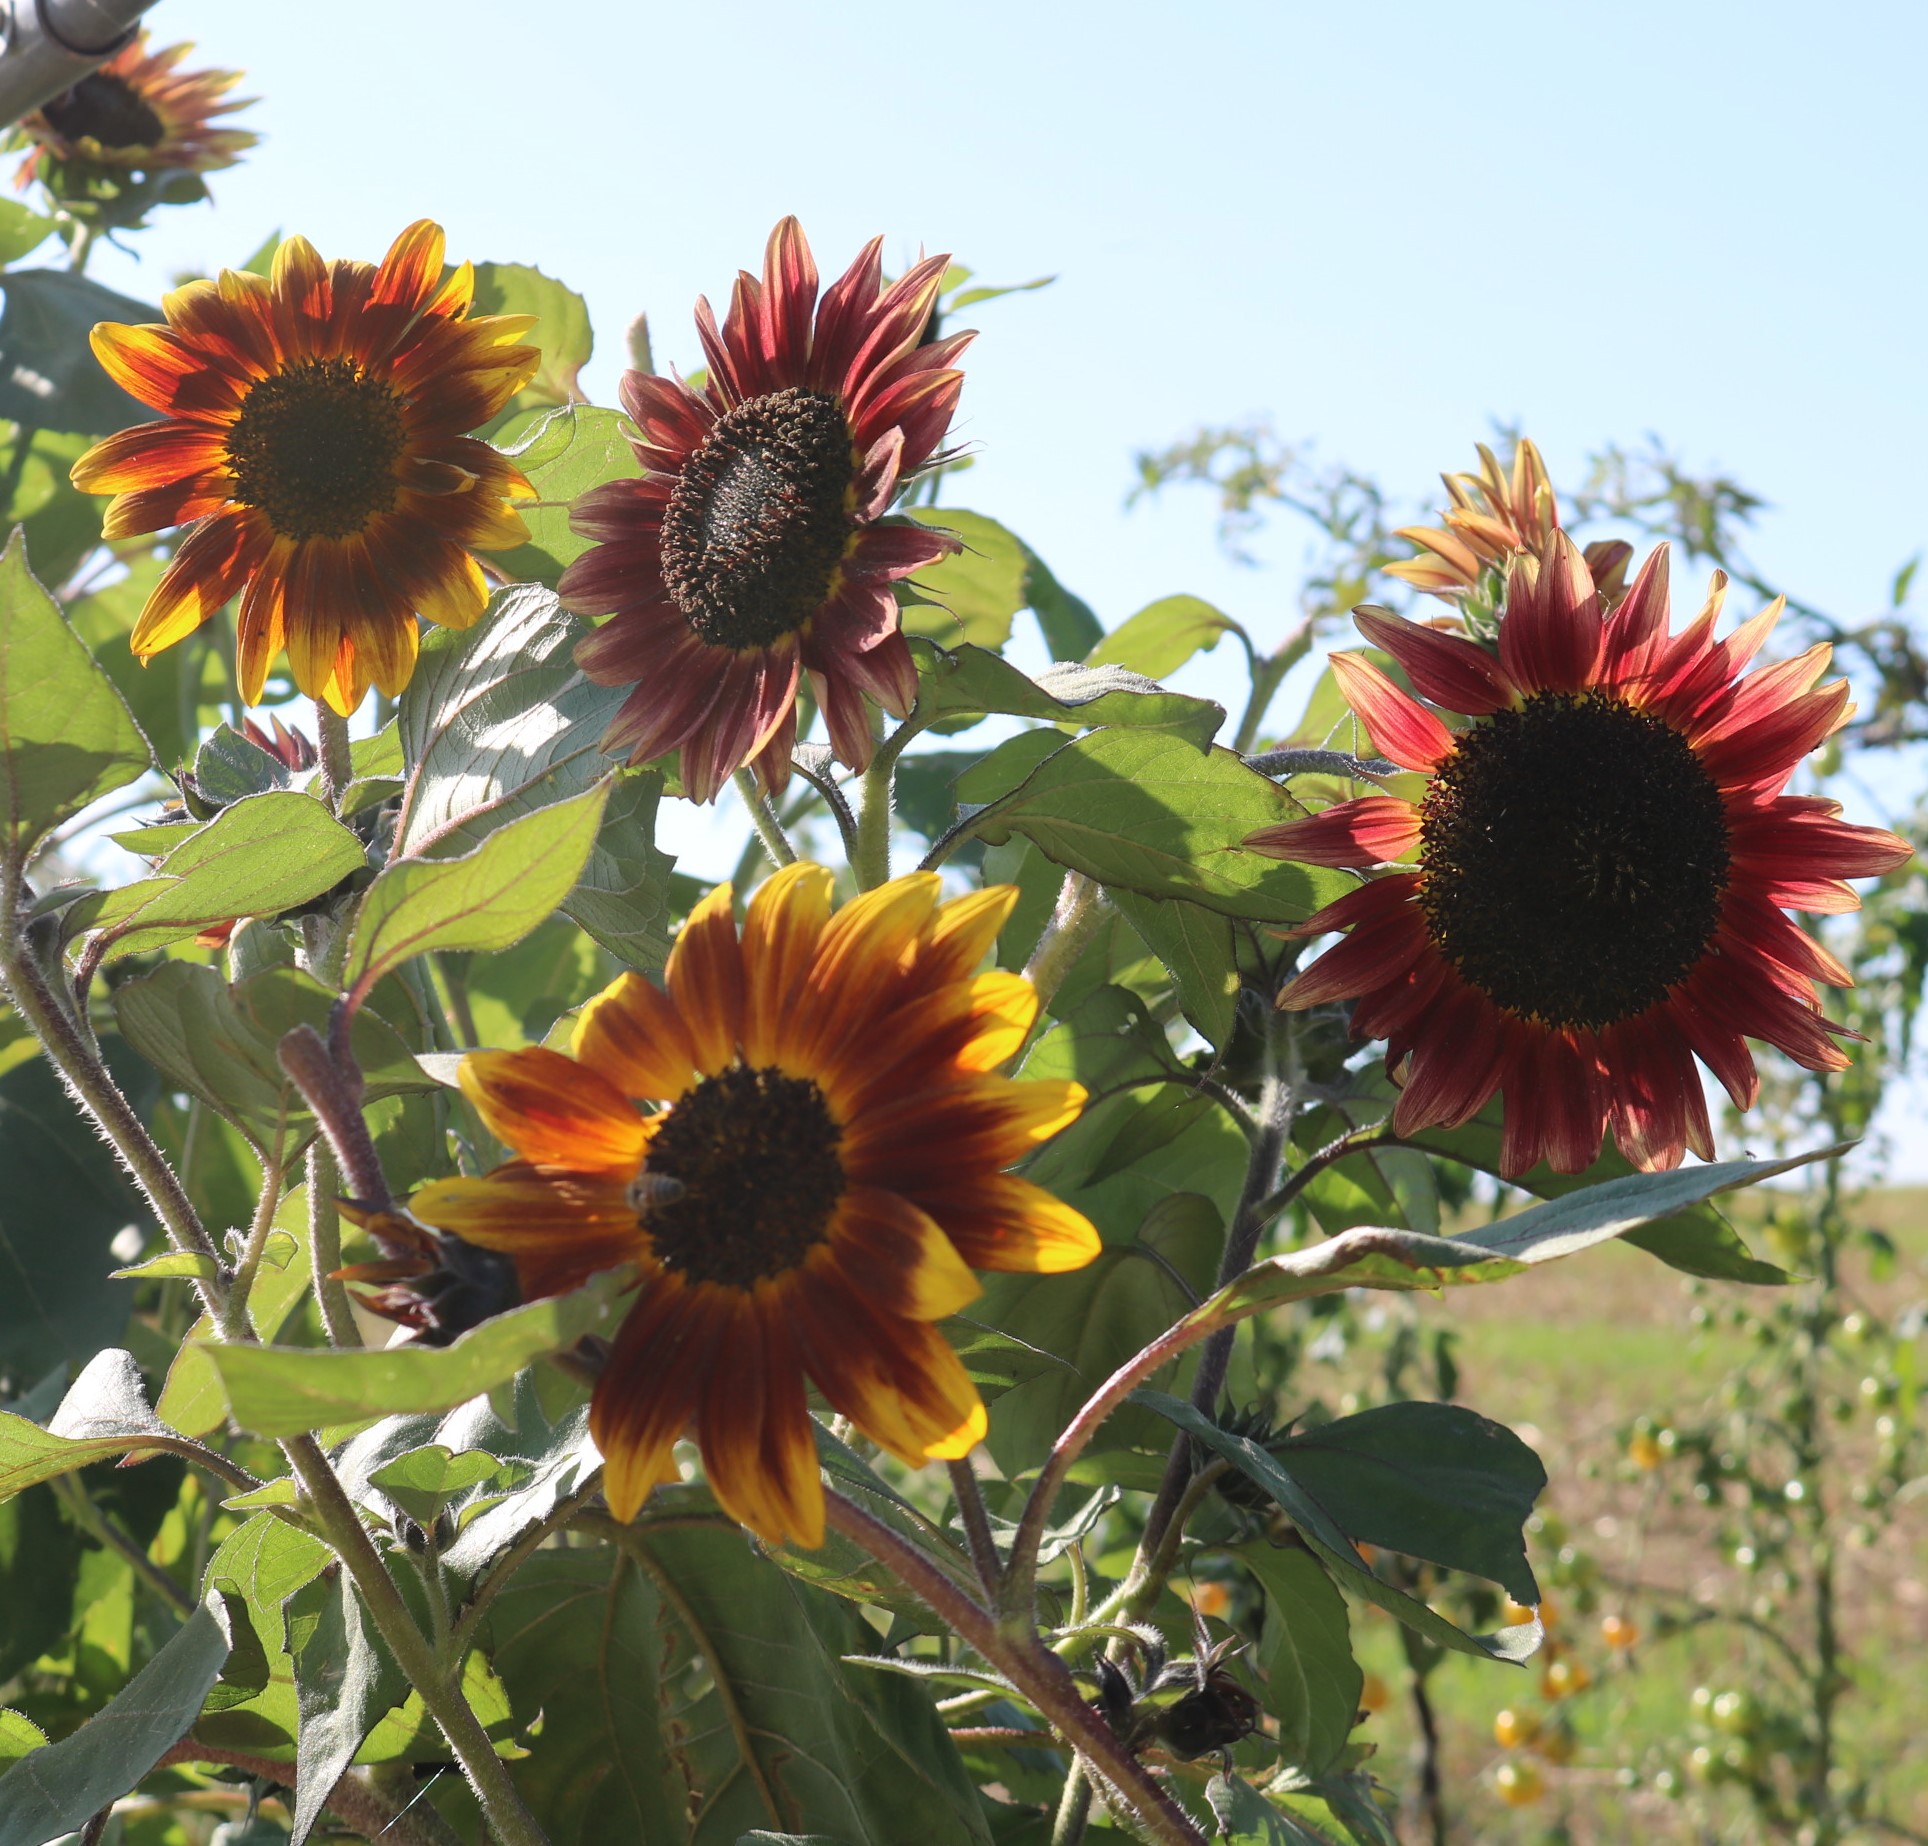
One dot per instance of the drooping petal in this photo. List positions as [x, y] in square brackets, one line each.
[1372, 830]
[1402, 728]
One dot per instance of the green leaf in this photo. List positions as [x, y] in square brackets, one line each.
[61, 1787]
[40, 1559]
[66, 735]
[265, 854]
[561, 330]
[345, 1679]
[49, 376]
[1148, 811]
[289, 1390]
[1329, 1540]
[63, 1202]
[498, 723]
[1196, 946]
[1435, 1481]
[218, 1042]
[261, 1564]
[21, 230]
[18, 1735]
[967, 683]
[975, 594]
[1162, 636]
[486, 899]
[1066, 621]
[564, 453]
[423, 1481]
[1312, 1681]
[689, 1642]
[104, 1414]
[1373, 1257]
[171, 1266]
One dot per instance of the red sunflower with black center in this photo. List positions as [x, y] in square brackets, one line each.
[315, 441]
[139, 113]
[1602, 859]
[754, 548]
[801, 1141]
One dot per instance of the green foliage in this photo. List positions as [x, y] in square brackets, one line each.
[49, 376]
[564, 453]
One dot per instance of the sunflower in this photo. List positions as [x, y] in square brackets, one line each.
[138, 113]
[824, 1171]
[754, 548]
[315, 438]
[1604, 859]
[1497, 515]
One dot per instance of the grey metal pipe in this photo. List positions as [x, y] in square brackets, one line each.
[47, 46]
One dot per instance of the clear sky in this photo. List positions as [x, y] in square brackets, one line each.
[1382, 226]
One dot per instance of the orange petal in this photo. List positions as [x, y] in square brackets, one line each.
[965, 931]
[705, 980]
[780, 936]
[652, 1386]
[1007, 1223]
[632, 1034]
[759, 1446]
[897, 1255]
[561, 1228]
[412, 269]
[554, 1111]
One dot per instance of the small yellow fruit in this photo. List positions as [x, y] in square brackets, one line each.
[1618, 1632]
[1519, 1784]
[1516, 1613]
[1514, 1730]
[1557, 1743]
[1374, 1694]
[1644, 1450]
[1563, 1678]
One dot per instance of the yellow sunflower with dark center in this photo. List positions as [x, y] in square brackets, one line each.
[139, 113]
[801, 1140]
[1591, 891]
[754, 549]
[316, 442]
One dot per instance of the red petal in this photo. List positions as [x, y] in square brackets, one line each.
[1447, 669]
[1551, 635]
[1401, 727]
[1373, 830]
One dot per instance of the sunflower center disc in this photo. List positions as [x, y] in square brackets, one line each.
[757, 523]
[315, 448]
[756, 1153]
[1574, 854]
[109, 110]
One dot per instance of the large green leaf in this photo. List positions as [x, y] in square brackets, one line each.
[1149, 811]
[692, 1692]
[345, 1679]
[66, 735]
[498, 723]
[966, 683]
[265, 854]
[63, 1200]
[1312, 1682]
[1196, 946]
[975, 594]
[59, 1788]
[261, 1564]
[564, 453]
[561, 329]
[218, 1042]
[1163, 635]
[49, 376]
[486, 899]
[288, 1390]
[1436, 1481]
[21, 229]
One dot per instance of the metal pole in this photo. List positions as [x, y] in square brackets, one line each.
[47, 46]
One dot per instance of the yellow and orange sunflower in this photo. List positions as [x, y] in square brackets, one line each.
[1604, 857]
[755, 548]
[316, 439]
[138, 113]
[1497, 515]
[820, 1164]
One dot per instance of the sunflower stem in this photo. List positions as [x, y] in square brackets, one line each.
[1038, 1674]
[70, 1050]
[763, 817]
[324, 1244]
[234, 1316]
[509, 1820]
[1079, 911]
[337, 767]
[1074, 1807]
[977, 1526]
[871, 860]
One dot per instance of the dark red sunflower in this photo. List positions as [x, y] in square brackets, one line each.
[755, 549]
[315, 439]
[1604, 856]
[822, 1167]
[137, 112]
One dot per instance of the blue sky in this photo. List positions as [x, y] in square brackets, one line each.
[1380, 226]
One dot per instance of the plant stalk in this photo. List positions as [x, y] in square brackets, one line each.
[337, 765]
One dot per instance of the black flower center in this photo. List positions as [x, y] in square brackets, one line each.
[109, 109]
[756, 1155]
[758, 521]
[315, 448]
[1574, 853]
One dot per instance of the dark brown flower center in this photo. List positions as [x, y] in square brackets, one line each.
[315, 448]
[756, 1155]
[759, 518]
[109, 109]
[1574, 854]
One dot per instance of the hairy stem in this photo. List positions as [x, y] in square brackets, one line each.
[508, 1818]
[353, 1800]
[324, 1244]
[871, 859]
[234, 1317]
[977, 1526]
[769, 829]
[1079, 911]
[337, 766]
